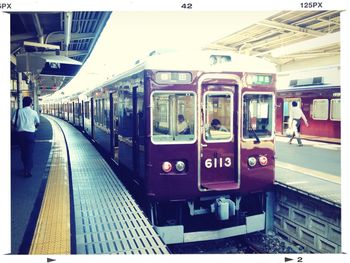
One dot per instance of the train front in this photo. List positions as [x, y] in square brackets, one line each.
[210, 154]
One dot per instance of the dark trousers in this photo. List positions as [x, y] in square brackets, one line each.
[298, 124]
[26, 144]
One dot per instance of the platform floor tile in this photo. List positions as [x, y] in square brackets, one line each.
[107, 218]
[320, 188]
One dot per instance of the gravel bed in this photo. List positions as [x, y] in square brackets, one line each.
[222, 246]
[269, 243]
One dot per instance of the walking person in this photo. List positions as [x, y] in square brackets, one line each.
[295, 116]
[26, 121]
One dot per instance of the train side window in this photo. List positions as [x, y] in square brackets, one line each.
[173, 117]
[76, 109]
[87, 109]
[335, 110]
[95, 110]
[257, 116]
[125, 112]
[320, 109]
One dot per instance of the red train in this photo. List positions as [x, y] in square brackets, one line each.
[321, 105]
[218, 169]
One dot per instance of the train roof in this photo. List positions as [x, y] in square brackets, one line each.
[208, 61]
[203, 60]
[308, 88]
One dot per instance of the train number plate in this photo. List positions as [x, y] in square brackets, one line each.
[218, 162]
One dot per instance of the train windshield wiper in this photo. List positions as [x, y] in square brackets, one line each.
[255, 135]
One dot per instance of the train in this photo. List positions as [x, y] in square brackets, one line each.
[195, 130]
[321, 104]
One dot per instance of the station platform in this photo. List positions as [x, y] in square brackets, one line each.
[313, 169]
[74, 203]
[314, 138]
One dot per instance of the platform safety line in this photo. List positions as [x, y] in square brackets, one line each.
[52, 232]
[325, 176]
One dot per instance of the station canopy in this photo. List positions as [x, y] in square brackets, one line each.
[51, 37]
[287, 36]
[50, 47]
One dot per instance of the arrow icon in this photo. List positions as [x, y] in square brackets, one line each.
[50, 260]
[287, 259]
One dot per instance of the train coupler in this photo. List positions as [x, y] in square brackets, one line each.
[223, 208]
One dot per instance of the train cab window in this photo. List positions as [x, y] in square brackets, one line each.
[218, 116]
[173, 117]
[257, 116]
[335, 110]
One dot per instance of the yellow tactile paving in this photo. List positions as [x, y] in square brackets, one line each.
[52, 232]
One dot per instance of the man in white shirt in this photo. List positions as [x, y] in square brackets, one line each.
[26, 121]
[295, 116]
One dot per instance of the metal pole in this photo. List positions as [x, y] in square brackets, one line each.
[19, 90]
[68, 17]
[270, 204]
[35, 95]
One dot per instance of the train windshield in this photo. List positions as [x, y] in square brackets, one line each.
[257, 116]
[218, 116]
[173, 117]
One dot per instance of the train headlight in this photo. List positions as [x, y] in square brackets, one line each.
[252, 161]
[166, 167]
[180, 166]
[263, 160]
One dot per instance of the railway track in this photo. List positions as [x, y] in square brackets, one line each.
[234, 245]
[258, 243]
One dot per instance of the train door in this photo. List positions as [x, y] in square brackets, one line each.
[135, 135]
[287, 105]
[110, 124]
[82, 115]
[115, 125]
[217, 141]
[138, 131]
[126, 129]
[92, 116]
[73, 112]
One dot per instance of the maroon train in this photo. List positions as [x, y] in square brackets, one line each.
[202, 181]
[321, 105]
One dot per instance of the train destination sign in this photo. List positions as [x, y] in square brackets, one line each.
[173, 77]
[262, 79]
